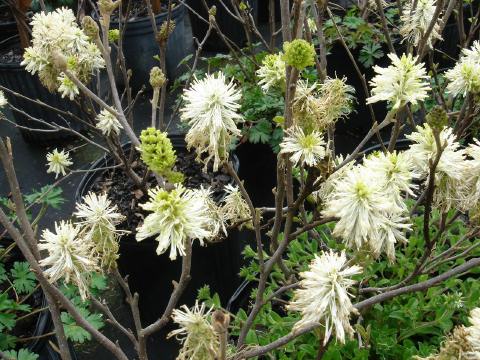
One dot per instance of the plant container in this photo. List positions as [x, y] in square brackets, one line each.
[13, 76]
[230, 27]
[140, 46]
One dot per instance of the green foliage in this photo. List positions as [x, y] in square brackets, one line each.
[22, 354]
[47, 196]
[369, 53]
[74, 332]
[23, 279]
[403, 327]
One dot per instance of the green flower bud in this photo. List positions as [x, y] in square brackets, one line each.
[165, 31]
[243, 6]
[157, 151]
[157, 77]
[299, 54]
[212, 11]
[437, 118]
[90, 27]
[113, 35]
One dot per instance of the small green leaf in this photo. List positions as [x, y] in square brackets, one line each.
[24, 280]
[22, 354]
[74, 332]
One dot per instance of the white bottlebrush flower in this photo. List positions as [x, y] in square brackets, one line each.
[449, 172]
[367, 214]
[415, 21]
[69, 256]
[177, 216]
[98, 209]
[196, 334]
[57, 33]
[108, 123]
[305, 149]
[464, 77]
[397, 169]
[210, 109]
[402, 82]
[99, 218]
[312, 25]
[3, 99]
[272, 73]
[58, 161]
[471, 175]
[473, 336]
[327, 187]
[217, 223]
[324, 297]
[67, 88]
[235, 208]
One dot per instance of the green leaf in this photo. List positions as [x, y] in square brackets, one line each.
[74, 332]
[7, 319]
[22, 354]
[261, 132]
[48, 195]
[24, 280]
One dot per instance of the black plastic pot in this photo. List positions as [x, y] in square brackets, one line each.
[13, 76]
[8, 28]
[228, 25]
[151, 275]
[140, 46]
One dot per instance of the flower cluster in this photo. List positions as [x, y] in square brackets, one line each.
[56, 36]
[462, 343]
[305, 149]
[157, 152]
[324, 297]
[57, 162]
[451, 166]
[318, 106]
[299, 54]
[108, 123]
[177, 216]
[235, 208]
[196, 333]
[76, 250]
[272, 73]
[403, 82]
[210, 110]
[369, 217]
[465, 76]
[99, 218]
[3, 99]
[69, 256]
[416, 18]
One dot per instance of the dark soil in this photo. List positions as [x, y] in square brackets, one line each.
[122, 192]
[11, 55]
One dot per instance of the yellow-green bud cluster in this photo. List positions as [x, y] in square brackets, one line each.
[90, 27]
[158, 154]
[157, 77]
[299, 54]
[113, 35]
[437, 118]
[166, 29]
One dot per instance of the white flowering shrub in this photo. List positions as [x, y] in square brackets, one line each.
[371, 253]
